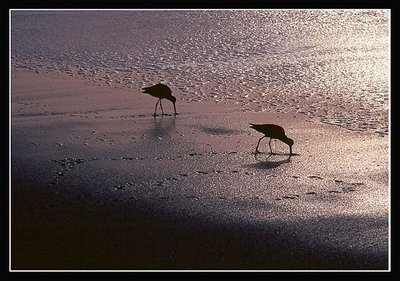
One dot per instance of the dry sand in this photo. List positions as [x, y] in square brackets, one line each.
[98, 183]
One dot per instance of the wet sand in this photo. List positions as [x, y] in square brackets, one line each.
[98, 183]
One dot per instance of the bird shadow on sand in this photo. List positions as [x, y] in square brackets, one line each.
[272, 161]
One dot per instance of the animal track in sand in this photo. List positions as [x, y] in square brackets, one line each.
[345, 187]
[174, 157]
[336, 187]
[67, 164]
[315, 177]
[291, 196]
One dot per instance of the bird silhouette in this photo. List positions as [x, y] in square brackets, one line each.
[160, 91]
[272, 131]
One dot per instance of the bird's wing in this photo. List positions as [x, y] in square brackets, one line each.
[163, 88]
[268, 129]
[160, 88]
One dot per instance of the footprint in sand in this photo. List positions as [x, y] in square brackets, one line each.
[291, 196]
[334, 191]
[315, 177]
[348, 189]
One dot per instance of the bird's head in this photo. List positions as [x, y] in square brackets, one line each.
[290, 143]
[173, 100]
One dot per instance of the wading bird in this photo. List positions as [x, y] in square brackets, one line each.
[272, 131]
[160, 91]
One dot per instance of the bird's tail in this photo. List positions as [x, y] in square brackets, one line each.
[146, 89]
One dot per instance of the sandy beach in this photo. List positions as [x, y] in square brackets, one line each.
[98, 183]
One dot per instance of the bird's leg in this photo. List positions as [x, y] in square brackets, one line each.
[257, 151]
[270, 148]
[155, 110]
[162, 110]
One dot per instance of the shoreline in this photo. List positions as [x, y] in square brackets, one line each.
[90, 164]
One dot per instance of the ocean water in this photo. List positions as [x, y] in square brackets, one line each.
[331, 65]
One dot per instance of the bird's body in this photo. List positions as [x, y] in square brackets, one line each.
[160, 91]
[272, 131]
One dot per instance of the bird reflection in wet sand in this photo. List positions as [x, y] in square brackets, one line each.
[272, 131]
[163, 128]
[160, 91]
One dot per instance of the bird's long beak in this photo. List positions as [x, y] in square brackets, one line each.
[174, 108]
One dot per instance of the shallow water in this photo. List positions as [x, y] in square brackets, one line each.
[331, 65]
